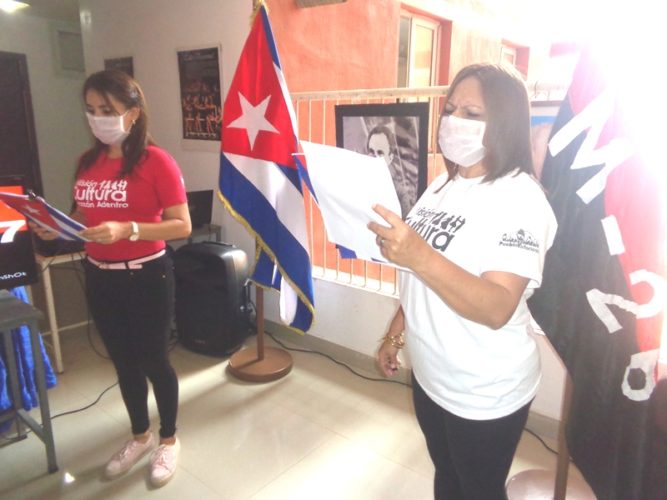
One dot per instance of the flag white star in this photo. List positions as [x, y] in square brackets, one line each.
[28, 208]
[253, 119]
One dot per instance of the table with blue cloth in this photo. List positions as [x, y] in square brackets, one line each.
[25, 371]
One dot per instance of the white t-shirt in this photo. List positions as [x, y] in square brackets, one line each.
[506, 225]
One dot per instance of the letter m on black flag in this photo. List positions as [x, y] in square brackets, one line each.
[603, 296]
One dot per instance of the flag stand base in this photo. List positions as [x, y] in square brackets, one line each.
[535, 484]
[247, 365]
[264, 364]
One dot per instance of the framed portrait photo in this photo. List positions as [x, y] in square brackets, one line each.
[397, 132]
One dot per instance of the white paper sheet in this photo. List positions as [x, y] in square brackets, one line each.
[347, 185]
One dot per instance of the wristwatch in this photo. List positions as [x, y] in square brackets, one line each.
[134, 236]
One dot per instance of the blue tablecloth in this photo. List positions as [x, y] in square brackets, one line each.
[25, 367]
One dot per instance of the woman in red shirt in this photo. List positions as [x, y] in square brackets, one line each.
[130, 195]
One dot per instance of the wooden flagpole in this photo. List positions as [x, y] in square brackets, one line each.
[563, 461]
[263, 364]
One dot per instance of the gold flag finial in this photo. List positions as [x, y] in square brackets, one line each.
[256, 6]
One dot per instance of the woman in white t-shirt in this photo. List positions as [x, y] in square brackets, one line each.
[474, 248]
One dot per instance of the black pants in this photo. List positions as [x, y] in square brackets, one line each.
[472, 457]
[133, 312]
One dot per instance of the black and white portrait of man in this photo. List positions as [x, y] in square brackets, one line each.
[381, 132]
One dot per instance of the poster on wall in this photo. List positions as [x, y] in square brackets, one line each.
[122, 63]
[201, 110]
[397, 132]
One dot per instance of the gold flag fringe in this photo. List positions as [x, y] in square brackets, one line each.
[260, 244]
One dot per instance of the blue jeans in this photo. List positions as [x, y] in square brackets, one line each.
[472, 457]
[133, 311]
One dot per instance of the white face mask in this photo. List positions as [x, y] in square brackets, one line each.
[108, 129]
[460, 140]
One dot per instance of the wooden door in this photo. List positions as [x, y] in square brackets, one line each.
[18, 142]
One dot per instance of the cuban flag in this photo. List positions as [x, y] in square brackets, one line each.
[604, 291]
[41, 213]
[260, 183]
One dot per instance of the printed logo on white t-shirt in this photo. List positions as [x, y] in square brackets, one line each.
[437, 227]
[521, 239]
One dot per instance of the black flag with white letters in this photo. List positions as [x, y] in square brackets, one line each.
[602, 299]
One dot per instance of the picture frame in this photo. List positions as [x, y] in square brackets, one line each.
[125, 64]
[67, 49]
[200, 97]
[396, 131]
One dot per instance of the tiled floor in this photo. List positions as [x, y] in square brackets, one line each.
[318, 433]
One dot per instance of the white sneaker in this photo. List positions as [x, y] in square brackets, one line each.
[163, 462]
[127, 456]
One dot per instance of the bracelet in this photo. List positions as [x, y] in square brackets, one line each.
[397, 341]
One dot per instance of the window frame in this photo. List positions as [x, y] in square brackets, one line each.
[425, 22]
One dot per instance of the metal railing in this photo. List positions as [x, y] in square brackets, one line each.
[315, 115]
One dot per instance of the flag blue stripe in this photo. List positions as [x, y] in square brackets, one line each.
[67, 225]
[305, 177]
[346, 253]
[269, 38]
[250, 204]
[292, 175]
[303, 318]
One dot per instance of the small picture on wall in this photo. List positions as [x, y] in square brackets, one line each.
[199, 73]
[122, 63]
[398, 132]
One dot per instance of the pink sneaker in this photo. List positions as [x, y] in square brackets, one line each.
[127, 456]
[163, 463]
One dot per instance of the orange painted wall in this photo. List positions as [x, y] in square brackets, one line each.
[343, 46]
[354, 45]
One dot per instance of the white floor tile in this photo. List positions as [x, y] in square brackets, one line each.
[320, 432]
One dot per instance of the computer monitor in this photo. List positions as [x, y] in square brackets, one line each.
[200, 205]
[17, 258]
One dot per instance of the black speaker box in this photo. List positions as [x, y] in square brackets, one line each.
[212, 300]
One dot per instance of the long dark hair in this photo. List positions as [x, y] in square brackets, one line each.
[126, 90]
[507, 135]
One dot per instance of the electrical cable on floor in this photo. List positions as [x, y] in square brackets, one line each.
[308, 351]
[536, 436]
[252, 327]
[70, 412]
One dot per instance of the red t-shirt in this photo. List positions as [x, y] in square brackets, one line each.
[101, 195]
